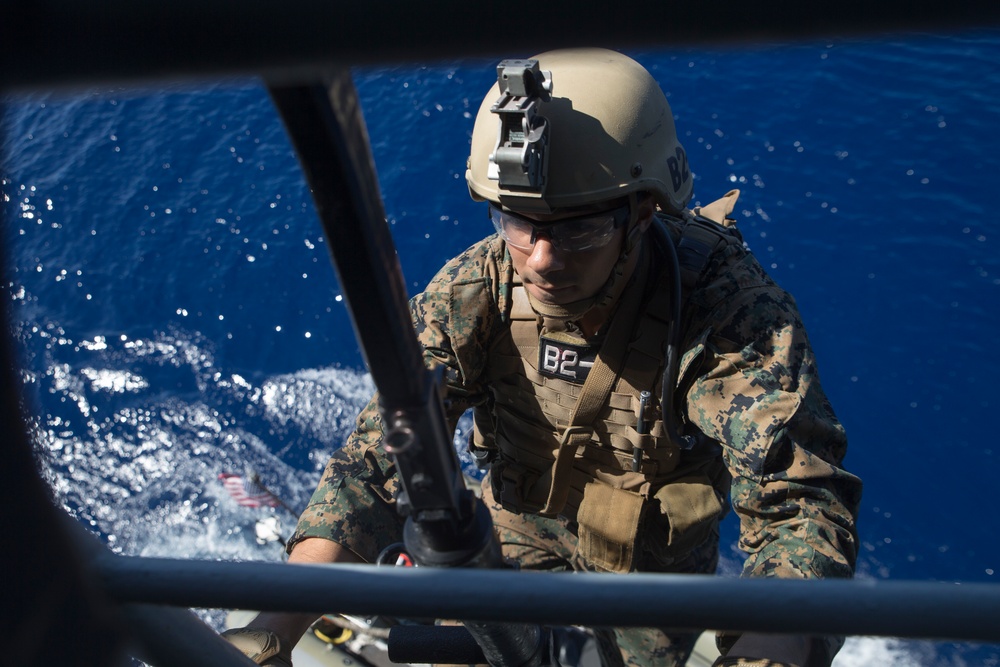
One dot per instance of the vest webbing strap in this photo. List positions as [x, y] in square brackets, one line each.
[696, 246]
[594, 395]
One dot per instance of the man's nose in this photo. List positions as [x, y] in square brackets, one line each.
[544, 256]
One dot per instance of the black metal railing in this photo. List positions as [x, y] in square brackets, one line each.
[931, 610]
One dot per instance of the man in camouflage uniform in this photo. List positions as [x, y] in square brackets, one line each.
[629, 364]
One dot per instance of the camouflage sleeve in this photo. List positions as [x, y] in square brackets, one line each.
[758, 393]
[354, 504]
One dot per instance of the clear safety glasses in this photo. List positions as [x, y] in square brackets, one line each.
[583, 232]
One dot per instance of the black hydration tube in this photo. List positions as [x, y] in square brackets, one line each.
[672, 360]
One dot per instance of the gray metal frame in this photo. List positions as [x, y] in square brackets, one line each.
[913, 609]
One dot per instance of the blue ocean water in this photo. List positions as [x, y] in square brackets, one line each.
[178, 315]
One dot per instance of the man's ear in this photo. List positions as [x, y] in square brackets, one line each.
[647, 209]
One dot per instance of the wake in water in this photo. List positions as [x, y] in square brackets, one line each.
[134, 433]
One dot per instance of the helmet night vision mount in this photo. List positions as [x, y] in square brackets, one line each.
[519, 162]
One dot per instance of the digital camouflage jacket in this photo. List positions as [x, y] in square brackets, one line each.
[750, 384]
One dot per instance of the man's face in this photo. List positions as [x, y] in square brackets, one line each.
[566, 256]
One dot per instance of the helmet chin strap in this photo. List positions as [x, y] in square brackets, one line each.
[560, 317]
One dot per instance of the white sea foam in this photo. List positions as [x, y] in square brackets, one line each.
[319, 401]
[115, 381]
[869, 651]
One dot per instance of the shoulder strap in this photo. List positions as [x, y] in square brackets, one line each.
[704, 233]
[593, 396]
[595, 391]
[719, 210]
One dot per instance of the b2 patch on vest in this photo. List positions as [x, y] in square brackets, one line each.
[565, 361]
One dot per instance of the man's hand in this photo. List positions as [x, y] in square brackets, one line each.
[261, 646]
[260, 640]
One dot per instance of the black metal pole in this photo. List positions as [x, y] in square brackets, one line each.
[326, 126]
[934, 610]
[446, 526]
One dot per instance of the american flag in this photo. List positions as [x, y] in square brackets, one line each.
[248, 492]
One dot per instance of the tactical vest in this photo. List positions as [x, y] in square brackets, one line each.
[597, 452]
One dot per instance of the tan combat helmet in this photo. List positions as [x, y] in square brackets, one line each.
[575, 127]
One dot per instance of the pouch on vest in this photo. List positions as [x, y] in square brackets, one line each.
[608, 521]
[512, 485]
[688, 512]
